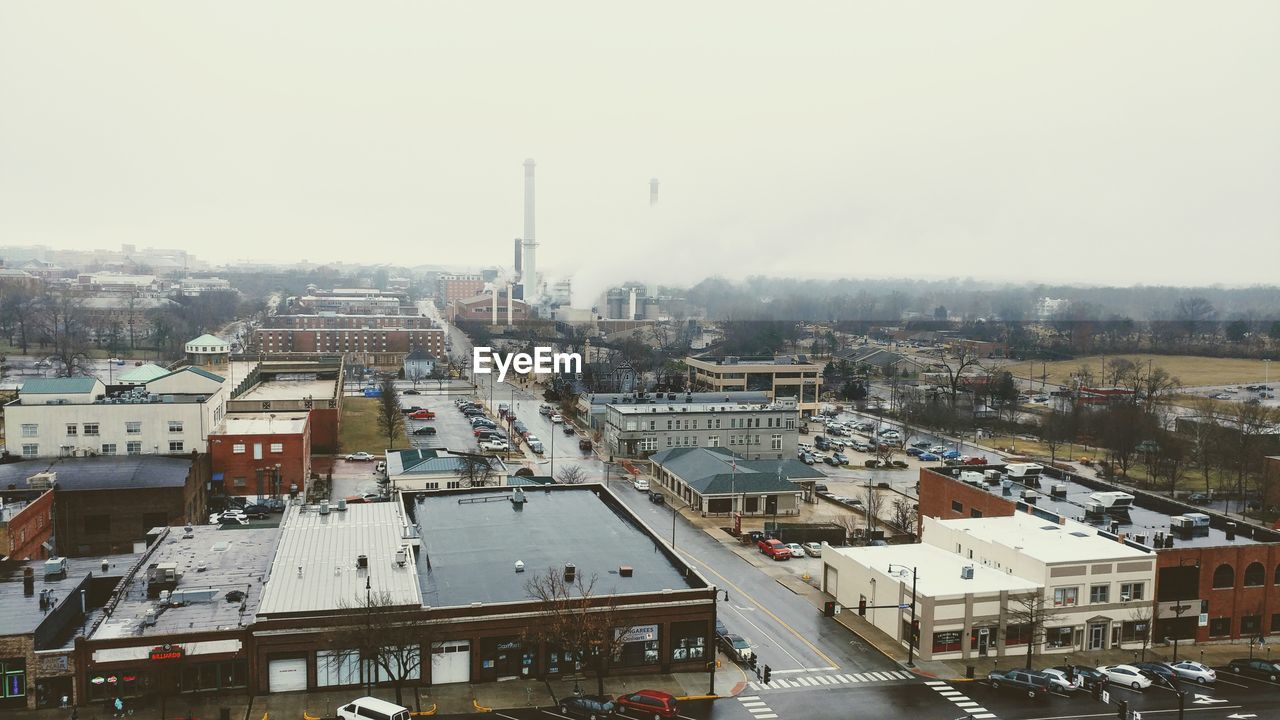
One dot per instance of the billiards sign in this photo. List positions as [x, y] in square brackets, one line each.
[167, 652]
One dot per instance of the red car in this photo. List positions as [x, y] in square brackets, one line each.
[774, 549]
[974, 461]
[422, 415]
[647, 704]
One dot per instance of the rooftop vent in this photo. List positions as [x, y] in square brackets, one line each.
[570, 572]
[55, 567]
[324, 507]
[626, 571]
[149, 618]
[362, 562]
[519, 566]
[342, 504]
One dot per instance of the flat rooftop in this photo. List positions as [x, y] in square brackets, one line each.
[1146, 516]
[235, 559]
[276, 389]
[20, 613]
[938, 571]
[261, 424]
[679, 406]
[471, 541]
[316, 568]
[1046, 541]
[799, 361]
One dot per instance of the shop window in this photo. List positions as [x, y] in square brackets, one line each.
[1250, 625]
[637, 646]
[1059, 637]
[948, 641]
[1255, 576]
[1133, 631]
[1018, 634]
[1275, 623]
[688, 640]
[14, 673]
[1218, 627]
[114, 684]
[1224, 577]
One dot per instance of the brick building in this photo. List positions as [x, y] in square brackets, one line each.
[1216, 578]
[484, 309]
[26, 524]
[458, 287]
[380, 347]
[104, 505]
[263, 455]
[334, 322]
[312, 386]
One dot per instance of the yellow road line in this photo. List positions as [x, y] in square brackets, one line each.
[802, 638]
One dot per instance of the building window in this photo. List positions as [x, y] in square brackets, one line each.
[133, 447]
[14, 671]
[1254, 576]
[948, 641]
[956, 506]
[91, 429]
[175, 426]
[1131, 591]
[1224, 577]
[30, 450]
[108, 448]
[975, 512]
[175, 446]
[337, 667]
[133, 428]
[277, 447]
[1133, 631]
[668, 441]
[30, 430]
[1219, 627]
[1100, 594]
[1275, 623]
[714, 441]
[1059, 637]
[1065, 597]
[97, 524]
[1250, 625]
[688, 640]
[775, 442]
[71, 429]
[238, 449]
[649, 444]
[238, 481]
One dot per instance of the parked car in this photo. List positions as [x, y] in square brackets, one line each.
[640, 484]
[654, 704]
[774, 549]
[951, 455]
[840, 458]
[567, 429]
[914, 451]
[813, 549]
[1192, 670]
[929, 457]
[369, 707]
[545, 410]
[493, 444]
[361, 456]
[424, 430]
[973, 461]
[922, 445]
[1126, 675]
[807, 459]
[423, 414]
[535, 444]
[657, 498]
[584, 445]
[937, 449]
[1158, 673]
[412, 392]
[1257, 667]
[557, 418]
[1088, 676]
[275, 505]
[1058, 681]
[1029, 683]
[737, 647]
[592, 707]
[1198, 498]
[796, 550]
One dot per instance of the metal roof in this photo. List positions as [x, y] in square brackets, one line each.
[315, 567]
[718, 471]
[471, 541]
[142, 374]
[59, 386]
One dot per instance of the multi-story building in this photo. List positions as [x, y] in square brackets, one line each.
[311, 386]
[490, 309]
[459, 286]
[593, 407]
[59, 417]
[1215, 577]
[194, 287]
[26, 523]
[262, 454]
[783, 376]
[717, 481]
[126, 317]
[333, 321]
[379, 347]
[118, 283]
[755, 431]
[354, 301]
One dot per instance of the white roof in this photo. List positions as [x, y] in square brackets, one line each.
[937, 571]
[325, 547]
[1045, 540]
[680, 406]
[262, 424]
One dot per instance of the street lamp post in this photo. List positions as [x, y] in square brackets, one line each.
[911, 637]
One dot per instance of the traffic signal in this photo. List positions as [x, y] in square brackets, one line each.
[767, 672]
[862, 607]
[751, 663]
[1122, 710]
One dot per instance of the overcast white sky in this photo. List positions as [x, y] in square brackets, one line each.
[1117, 142]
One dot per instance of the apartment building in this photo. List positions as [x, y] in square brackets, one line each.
[382, 347]
[793, 376]
[755, 431]
[458, 286]
[60, 417]
[333, 321]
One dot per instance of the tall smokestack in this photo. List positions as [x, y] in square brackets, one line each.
[518, 266]
[529, 261]
[653, 191]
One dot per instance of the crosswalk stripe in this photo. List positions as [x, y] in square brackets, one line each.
[782, 683]
[967, 704]
[950, 693]
[934, 683]
[757, 711]
[837, 678]
[753, 686]
[766, 717]
[861, 677]
[753, 703]
[881, 676]
[805, 681]
[983, 716]
[748, 697]
[906, 675]
[823, 679]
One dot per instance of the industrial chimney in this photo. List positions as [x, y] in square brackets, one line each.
[529, 257]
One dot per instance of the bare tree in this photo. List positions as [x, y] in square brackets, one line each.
[1141, 617]
[577, 620]
[1029, 614]
[474, 470]
[1248, 424]
[389, 415]
[1054, 433]
[571, 475]
[904, 514]
[954, 370]
[873, 502]
[385, 645]
[1205, 436]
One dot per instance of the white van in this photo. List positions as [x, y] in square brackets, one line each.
[371, 708]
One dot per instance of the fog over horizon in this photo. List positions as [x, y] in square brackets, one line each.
[1005, 142]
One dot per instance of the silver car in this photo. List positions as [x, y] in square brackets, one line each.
[1192, 670]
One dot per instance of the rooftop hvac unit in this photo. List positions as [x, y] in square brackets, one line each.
[342, 504]
[1058, 490]
[1030, 496]
[570, 572]
[149, 618]
[1181, 522]
[55, 567]
[966, 572]
[324, 507]
[402, 556]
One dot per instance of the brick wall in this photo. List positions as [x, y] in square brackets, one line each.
[30, 528]
[947, 499]
[240, 470]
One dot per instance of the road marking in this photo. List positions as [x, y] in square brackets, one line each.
[758, 709]
[1144, 712]
[753, 703]
[965, 703]
[802, 670]
[776, 619]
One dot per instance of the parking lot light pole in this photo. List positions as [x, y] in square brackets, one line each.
[911, 637]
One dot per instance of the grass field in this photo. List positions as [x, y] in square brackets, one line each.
[360, 428]
[1190, 370]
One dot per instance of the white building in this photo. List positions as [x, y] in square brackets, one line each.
[1097, 591]
[170, 414]
[953, 596]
